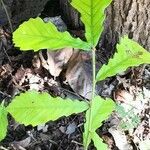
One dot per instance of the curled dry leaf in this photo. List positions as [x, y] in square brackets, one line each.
[56, 60]
[78, 68]
[79, 73]
[120, 139]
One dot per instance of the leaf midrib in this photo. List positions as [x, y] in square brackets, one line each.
[54, 38]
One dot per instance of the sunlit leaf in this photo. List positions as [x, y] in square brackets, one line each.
[3, 122]
[37, 108]
[36, 34]
[86, 135]
[98, 142]
[129, 53]
[92, 15]
[99, 111]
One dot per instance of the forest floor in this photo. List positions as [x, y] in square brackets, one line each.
[128, 128]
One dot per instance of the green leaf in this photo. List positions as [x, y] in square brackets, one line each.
[98, 142]
[37, 108]
[36, 34]
[87, 135]
[3, 122]
[129, 53]
[129, 119]
[99, 111]
[92, 15]
[121, 111]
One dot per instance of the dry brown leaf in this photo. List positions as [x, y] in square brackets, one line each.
[79, 74]
[56, 60]
[120, 138]
[21, 74]
[123, 96]
[77, 65]
[20, 145]
[5, 70]
[108, 140]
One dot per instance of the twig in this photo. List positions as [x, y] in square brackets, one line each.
[5, 94]
[77, 143]
[8, 17]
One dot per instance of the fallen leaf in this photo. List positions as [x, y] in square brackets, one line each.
[23, 143]
[62, 129]
[123, 96]
[71, 128]
[56, 60]
[42, 127]
[79, 74]
[27, 76]
[120, 139]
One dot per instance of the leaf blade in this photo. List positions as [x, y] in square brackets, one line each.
[129, 53]
[35, 108]
[36, 34]
[100, 110]
[3, 122]
[98, 143]
[86, 134]
[92, 15]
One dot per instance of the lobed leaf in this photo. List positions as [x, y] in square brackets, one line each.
[129, 53]
[87, 135]
[98, 142]
[92, 15]
[37, 108]
[36, 34]
[99, 111]
[3, 122]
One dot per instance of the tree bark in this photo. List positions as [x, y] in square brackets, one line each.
[128, 17]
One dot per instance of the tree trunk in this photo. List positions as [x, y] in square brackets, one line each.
[128, 17]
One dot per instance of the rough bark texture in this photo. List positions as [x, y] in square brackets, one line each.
[131, 17]
[70, 15]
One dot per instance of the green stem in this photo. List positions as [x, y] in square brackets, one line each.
[93, 74]
[93, 94]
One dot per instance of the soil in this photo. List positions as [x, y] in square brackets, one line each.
[65, 133]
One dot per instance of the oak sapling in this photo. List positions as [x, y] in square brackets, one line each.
[36, 108]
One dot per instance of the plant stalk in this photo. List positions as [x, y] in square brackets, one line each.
[93, 73]
[93, 92]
